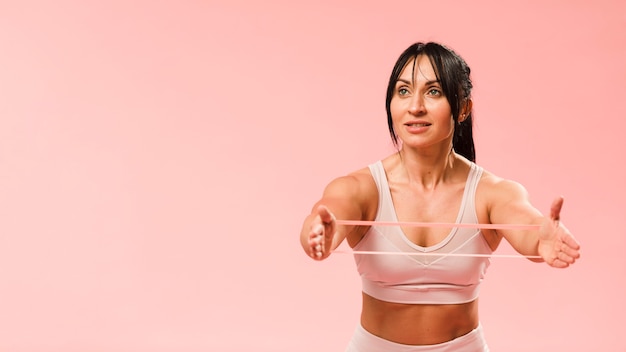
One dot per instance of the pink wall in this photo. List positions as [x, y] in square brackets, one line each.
[157, 159]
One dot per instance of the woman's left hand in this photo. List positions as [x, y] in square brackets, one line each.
[557, 246]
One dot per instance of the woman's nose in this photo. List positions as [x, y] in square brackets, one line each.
[416, 105]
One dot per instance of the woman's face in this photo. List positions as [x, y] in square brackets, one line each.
[421, 114]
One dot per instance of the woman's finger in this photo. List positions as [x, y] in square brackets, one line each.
[555, 209]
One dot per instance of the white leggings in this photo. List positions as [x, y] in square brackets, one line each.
[363, 341]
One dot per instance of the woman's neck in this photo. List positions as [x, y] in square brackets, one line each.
[427, 170]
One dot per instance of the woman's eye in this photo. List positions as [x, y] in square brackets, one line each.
[403, 91]
[435, 92]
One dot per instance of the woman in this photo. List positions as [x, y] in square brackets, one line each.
[426, 299]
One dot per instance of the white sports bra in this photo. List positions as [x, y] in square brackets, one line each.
[435, 277]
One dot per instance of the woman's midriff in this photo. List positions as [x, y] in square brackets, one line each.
[418, 324]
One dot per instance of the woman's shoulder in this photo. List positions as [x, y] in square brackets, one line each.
[498, 186]
[364, 179]
[356, 182]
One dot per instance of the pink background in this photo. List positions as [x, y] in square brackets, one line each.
[157, 159]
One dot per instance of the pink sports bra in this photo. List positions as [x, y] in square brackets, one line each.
[435, 277]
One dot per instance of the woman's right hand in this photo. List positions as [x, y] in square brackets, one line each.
[321, 233]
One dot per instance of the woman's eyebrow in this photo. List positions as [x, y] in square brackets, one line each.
[427, 83]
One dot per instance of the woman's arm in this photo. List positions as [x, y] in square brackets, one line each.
[344, 198]
[553, 242]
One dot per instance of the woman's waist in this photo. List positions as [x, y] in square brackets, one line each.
[418, 324]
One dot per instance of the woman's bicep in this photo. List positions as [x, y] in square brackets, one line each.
[342, 198]
[347, 198]
[510, 204]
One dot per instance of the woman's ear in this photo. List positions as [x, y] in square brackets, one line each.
[466, 109]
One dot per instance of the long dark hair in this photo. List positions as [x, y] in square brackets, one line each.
[453, 73]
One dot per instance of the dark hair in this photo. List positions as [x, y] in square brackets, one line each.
[454, 76]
